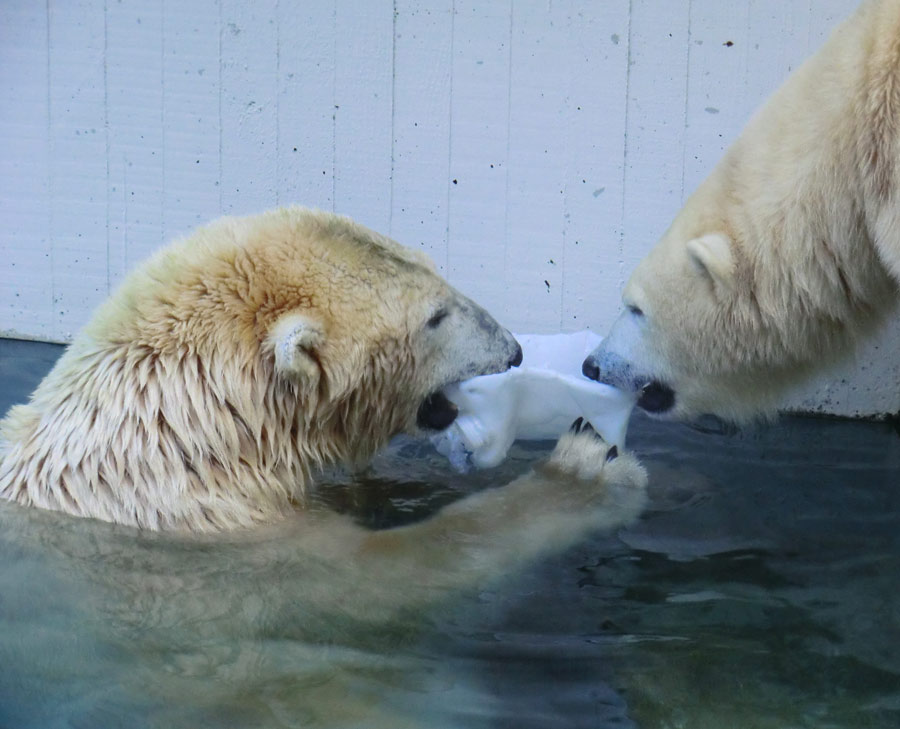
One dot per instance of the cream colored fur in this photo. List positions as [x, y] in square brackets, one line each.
[201, 397]
[315, 617]
[804, 219]
[229, 367]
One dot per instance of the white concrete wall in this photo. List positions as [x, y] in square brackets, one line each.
[536, 148]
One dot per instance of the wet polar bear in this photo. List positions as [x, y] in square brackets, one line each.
[788, 254]
[205, 393]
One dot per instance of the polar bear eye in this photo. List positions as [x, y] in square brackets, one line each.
[636, 310]
[437, 318]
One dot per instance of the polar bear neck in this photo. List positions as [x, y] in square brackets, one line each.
[131, 436]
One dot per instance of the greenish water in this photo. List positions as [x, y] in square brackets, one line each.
[758, 590]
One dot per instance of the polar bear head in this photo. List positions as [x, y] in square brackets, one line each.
[786, 256]
[676, 342]
[368, 323]
[233, 364]
[362, 328]
[731, 308]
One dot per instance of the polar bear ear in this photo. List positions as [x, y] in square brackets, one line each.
[295, 340]
[712, 255]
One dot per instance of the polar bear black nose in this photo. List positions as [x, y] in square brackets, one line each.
[516, 359]
[590, 369]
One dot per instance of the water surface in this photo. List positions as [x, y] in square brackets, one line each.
[758, 590]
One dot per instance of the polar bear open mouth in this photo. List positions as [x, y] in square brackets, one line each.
[436, 412]
[656, 397]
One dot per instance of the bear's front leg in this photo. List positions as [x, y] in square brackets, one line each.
[584, 487]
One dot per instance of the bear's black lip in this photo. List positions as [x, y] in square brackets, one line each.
[656, 397]
[436, 412]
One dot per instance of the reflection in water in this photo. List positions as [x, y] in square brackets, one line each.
[101, 623]
[759, 590]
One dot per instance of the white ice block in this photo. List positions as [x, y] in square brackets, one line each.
[536, 401]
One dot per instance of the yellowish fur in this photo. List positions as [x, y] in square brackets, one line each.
[806, 201]
[172, 410]
[315, 617]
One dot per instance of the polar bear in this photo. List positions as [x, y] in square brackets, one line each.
[313, 619]
[787, 254]
[207, 391]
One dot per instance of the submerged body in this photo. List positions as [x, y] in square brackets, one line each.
[763, 569]
[788, 254]
[202, 397]
[205, 392]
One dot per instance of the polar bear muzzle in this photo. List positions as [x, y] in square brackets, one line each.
[437, 412]
[608, 368]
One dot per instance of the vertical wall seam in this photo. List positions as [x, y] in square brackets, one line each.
[567, 161]
[106, 129]
[52, 324]
[221, 181]
[745, 65]
[509, 58]
[162, 122]
[450, 133]
[687, 97]
[278, 102]
[393, 114]
[745, 52]
[334, 62]
[123, 257]
[621, 246]
[808, 28]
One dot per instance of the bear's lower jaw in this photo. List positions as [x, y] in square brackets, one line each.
[656, 397]
[436, 412]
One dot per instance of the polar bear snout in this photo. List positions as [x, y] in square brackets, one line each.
[467, 343]
[498, 338]
[608, 368]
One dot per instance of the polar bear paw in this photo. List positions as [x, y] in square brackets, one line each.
[582, 455]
